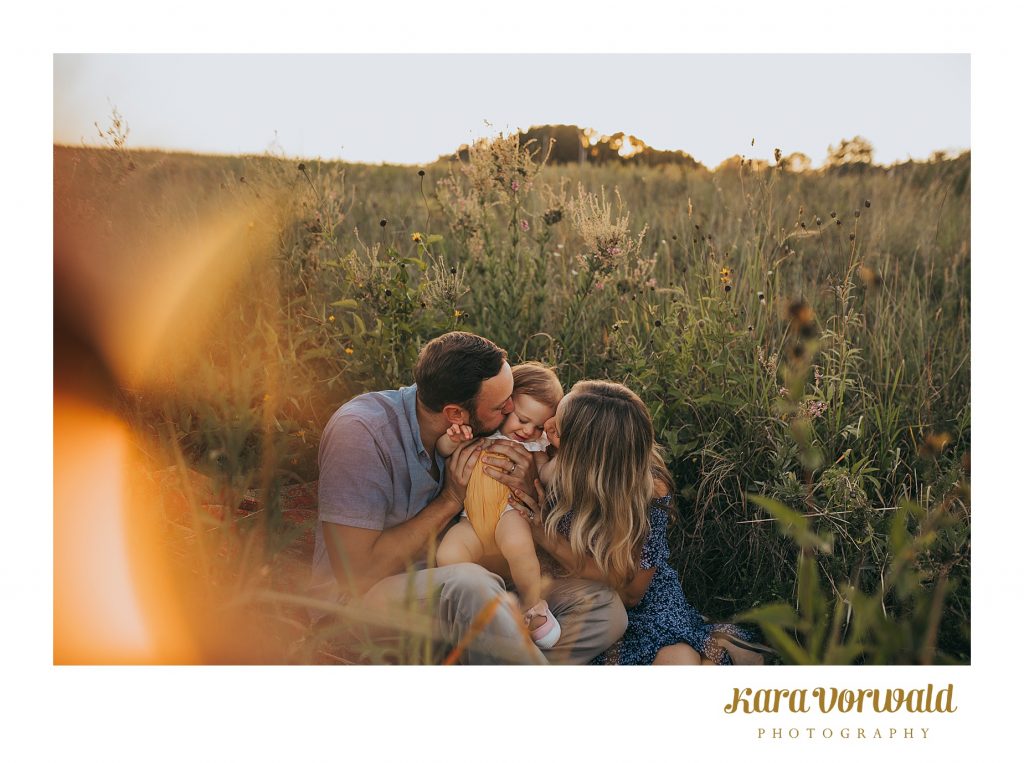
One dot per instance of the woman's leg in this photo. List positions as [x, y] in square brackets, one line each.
[515, 541]
[459, 545]
[678, 654]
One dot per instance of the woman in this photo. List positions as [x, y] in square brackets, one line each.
[610, 498]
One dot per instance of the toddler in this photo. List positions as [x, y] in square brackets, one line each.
[489, 526]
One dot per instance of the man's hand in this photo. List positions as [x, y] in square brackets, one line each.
[516, 469]
[458, 470]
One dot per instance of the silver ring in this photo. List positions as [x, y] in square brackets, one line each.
[531, 515]
[514, 465]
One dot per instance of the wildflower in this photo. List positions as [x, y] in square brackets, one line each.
[349, 351]
[817, 220]
[813, 409]
[935, 443]
[266, 396]
[832, 214]
[330, 318]
[421, 173]
[839, 222]
[302, 167]
[800, 313]
[458, 314]
[867, 203]
[552, 216]
[599, 286]
[515, 185]
[524, 225]
[417, 237]
[657, 324]
[728, 287]
[383, 223]
[869, 276]
[783, 392]
[387, 292]
[760, 296]
[750, 329]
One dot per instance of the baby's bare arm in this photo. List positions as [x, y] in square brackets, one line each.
[449, 441]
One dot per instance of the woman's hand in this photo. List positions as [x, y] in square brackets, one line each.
[532, 509]
[516, 469]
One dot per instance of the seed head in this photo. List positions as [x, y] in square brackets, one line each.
[657, 324]
[383, 223]
[302, 166]
[832, 214]
[867, 203]
[421, 173]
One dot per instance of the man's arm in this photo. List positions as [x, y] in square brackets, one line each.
[361, 557]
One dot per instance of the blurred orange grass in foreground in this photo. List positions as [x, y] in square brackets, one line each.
[126, 318]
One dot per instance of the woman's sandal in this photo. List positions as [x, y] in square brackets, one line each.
[545, 635]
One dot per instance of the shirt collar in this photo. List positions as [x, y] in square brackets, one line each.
[409, 404]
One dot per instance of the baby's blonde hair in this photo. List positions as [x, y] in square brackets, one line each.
[537, 381]
[607, 465]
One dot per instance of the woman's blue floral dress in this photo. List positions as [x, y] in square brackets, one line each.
[663, 616]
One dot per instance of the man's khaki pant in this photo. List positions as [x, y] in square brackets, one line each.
[475, 616]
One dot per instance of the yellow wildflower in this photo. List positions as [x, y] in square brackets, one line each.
[349, 350]
[417, 237]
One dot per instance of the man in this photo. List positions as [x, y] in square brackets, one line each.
[385, 495]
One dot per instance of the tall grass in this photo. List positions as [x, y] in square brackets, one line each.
[801, 337]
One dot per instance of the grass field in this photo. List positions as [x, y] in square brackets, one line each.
[801, 338]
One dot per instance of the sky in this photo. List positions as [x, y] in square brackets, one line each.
[411, 109]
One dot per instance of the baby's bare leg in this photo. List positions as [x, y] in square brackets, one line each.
[515, 541]
[459, 544]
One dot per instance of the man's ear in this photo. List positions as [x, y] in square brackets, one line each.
[453, 414]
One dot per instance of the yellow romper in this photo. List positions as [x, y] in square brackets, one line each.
[487, 499]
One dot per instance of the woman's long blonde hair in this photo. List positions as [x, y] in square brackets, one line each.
[607, 464]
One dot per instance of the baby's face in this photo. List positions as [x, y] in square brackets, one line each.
[526, 422]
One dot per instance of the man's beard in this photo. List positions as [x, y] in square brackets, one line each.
[478, 428]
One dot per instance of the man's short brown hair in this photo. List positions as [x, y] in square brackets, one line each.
[451, 368]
